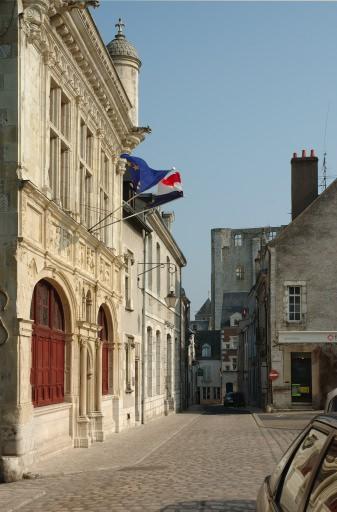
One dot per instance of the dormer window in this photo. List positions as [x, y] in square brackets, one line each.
[206, 350]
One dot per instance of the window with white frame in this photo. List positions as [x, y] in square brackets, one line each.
[60, 145]
[86, 174]
[128, 259]
[104, 199]
[238, 240]
[158, 269]
[271, 235]
[150, 259]
[206, 393]
[168, 275]
[128, 366]
[234, 363]
[239, 273]
[294, 303]
[206, 350]
[216, 393]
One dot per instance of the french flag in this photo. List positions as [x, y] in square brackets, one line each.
[169, 189]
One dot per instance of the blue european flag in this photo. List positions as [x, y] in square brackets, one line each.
[143, 177]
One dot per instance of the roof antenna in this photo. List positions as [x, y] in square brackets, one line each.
[324, 166]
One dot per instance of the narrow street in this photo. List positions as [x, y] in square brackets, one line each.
[208, 459]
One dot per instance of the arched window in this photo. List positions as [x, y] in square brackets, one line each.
[104, 337]
[47, 375]
[206, 350]
[158, 363]
[158, 270]
[169, 366]
[149, 362]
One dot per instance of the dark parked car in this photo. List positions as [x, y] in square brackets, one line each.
[234, 399]
[305, 479]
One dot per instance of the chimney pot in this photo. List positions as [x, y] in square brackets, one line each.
[294, 155]
[312, 153]
[304, 154]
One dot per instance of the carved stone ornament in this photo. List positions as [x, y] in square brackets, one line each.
[4, 299]
[34, 14]
[82, 341]
[121, 166]
[68, 5]
[3, 333]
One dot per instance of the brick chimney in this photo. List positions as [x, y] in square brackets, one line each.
[304, 181]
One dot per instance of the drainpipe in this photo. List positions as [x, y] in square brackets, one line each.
[143, 330]
[180, 340]
[268, 334]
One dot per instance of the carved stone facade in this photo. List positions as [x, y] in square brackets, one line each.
[65, 119]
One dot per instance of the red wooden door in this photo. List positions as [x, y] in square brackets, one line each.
[47, 375]
[104, 336]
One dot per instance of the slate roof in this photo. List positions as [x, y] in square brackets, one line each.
[205, 311]
[233, 302]
[212, 338]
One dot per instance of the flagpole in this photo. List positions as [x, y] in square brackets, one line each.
[126, 218]
[114, 211]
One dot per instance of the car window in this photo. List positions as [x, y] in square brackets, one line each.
[275, 476]
[299, 472]
[332, 407]
[324, 491]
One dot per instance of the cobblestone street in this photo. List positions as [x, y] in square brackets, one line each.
[210, 462]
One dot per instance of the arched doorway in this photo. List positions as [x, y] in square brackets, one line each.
[48, 345]
[104, 337]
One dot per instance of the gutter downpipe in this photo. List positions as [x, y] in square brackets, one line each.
[268, 337]
[181, 339]
[143, 331]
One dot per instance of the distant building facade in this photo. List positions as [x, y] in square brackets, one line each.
[208, 356]
[233, 270]
[229, 359]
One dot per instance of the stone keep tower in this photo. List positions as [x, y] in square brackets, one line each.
[127, 63]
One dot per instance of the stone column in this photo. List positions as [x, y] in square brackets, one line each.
[99, 347]
[83, 378]
[119, 368]
[112, 374]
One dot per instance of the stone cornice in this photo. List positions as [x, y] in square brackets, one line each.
[85, 66]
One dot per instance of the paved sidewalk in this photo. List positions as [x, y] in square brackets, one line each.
[118, 450]
[184, 462]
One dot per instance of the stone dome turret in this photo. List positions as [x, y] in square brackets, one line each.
[120, 46]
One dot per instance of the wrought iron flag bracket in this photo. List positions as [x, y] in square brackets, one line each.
[171, 298]
[172, 267]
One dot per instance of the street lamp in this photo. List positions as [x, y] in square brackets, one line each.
[171, 299]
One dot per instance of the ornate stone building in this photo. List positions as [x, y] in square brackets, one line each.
[66, 114]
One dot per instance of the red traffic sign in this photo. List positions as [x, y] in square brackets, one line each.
[273, 374]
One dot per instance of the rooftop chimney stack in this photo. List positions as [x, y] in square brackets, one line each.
[304, 181]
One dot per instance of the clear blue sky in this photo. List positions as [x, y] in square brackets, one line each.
[231, 90]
